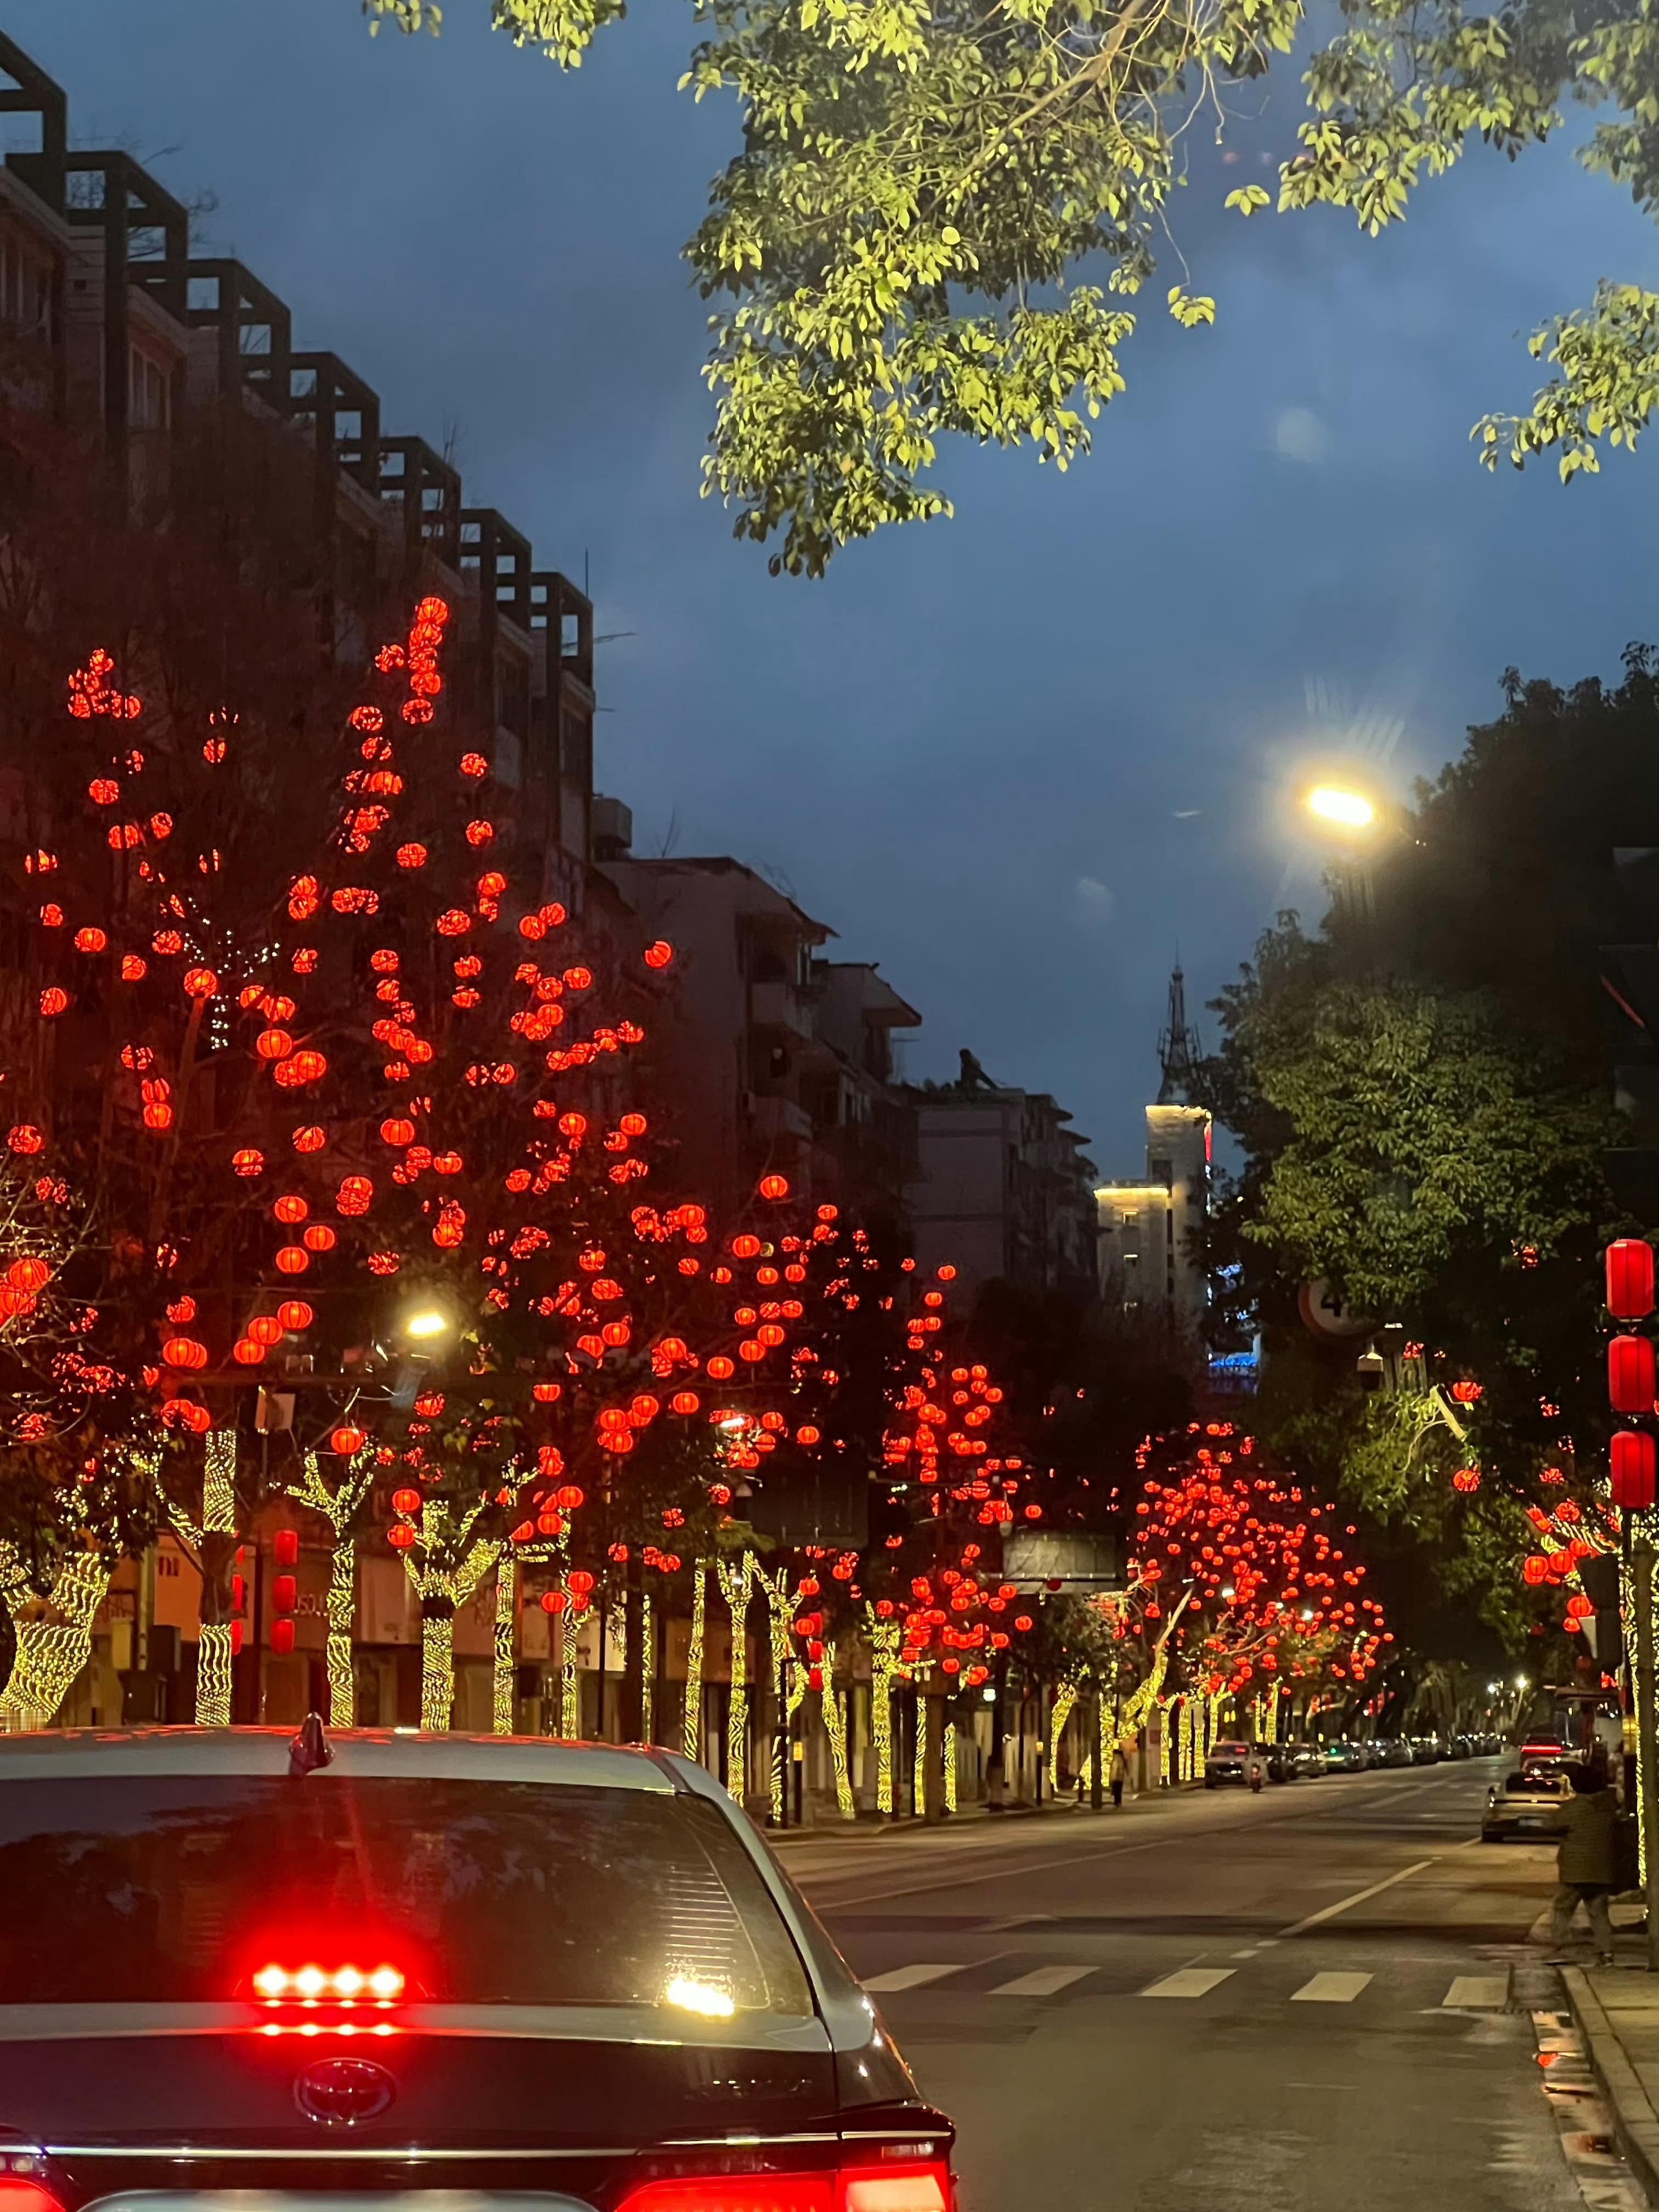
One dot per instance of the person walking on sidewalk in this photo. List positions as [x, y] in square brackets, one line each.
[1117, 1773]
[1584, 1865]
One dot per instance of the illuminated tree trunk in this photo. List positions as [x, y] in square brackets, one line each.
[504, 1709]
[570, 1688]
[217, 1552]
[50, 1654]
[342, 1621]
[437, 1662]
[1065, 1698]
[736, 1583]
[883, 1637]
[833, 1702]
[647, 1672]
[691, 1719]
[949, 1749]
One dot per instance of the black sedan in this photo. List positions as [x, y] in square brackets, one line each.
[552, 1974]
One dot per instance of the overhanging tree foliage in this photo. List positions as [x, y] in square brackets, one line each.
[907, 244]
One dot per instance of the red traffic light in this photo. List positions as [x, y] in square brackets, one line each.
[1629, 1278]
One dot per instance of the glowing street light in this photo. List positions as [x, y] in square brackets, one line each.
[425, 1321]
[1344, 808]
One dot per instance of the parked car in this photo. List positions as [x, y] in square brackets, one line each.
[1425, 1751]
[1276, 1758]
[1343, 1757]
[404, 1953]
[1460, 1747]
[1526, 1804]
[1306, 1759]
[1396, 1751]
[1229, 1761]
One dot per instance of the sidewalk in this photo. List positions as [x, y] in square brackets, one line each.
[868, 1828]
[1618, 2014]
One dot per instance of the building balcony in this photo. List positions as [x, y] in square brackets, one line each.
[779, 1006]
[775, 1120]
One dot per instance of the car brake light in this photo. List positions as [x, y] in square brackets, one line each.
[21, 2193]
[311, 1984]
[889, 2188]
[736, 2192]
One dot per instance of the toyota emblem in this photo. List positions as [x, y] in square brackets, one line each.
[342, 2092]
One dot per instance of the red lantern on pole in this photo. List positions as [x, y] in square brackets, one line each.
[1629, 1278]
[282, 1638]
[1632, 1457]
[1630, 1380]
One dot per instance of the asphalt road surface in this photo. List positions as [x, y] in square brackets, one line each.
[1316, 2000]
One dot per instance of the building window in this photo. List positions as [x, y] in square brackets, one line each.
[149, 392]
[25, 290]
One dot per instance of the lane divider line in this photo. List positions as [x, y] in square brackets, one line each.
[1342, 1904]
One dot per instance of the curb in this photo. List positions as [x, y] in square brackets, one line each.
[1635, 2122]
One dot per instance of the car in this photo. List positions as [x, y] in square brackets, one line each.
[1425, 1751]
[1229, 1761]
[1277, 1761]
[235, 1957]
[1396, 1751]
[1342, 1757]
[1526, 1804]
[1306, 1759]
[1460, 1747]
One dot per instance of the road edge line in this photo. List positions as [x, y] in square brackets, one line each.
[1635, 2122]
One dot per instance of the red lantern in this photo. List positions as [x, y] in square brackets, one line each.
[284, 1592]
[247, 1351]
[295, 1315]
[293, 1260]
[282, 1638]
[1631, 1456]
[554, 1602]
[400, 1537]
[285, 1547]
[345, 1440]
[184, 1352]
[1631, 1375]
[264, 1330]
[247, 1161]
[273, 1044]
[1629, 1278]
[290, 1208]
[775, 1186]
[405, 1501]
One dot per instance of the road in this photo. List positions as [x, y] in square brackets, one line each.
[1322, 1997]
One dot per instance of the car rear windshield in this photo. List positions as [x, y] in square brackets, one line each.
[1230, 1751]
[1535, 1785]
[173, 1889]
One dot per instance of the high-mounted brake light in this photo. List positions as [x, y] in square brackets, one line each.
[313, 1984]
[890, 2187]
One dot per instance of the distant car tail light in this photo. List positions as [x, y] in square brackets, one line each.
[894, 2186]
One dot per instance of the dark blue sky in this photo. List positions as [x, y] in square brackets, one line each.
[970, 748]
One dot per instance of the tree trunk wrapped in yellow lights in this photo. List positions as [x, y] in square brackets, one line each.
[882, 1637]
[446, 1564]
[736, 1582]
[212, 1542]
[691, 1716]
[504, 1712]
[833, 1702]
[51, 1651]
[340, 1506]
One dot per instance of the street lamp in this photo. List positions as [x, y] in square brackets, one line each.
[1342, 806]
[1521, 1682]
[425, 1323]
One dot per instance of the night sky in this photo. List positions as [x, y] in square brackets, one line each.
[1018, 757]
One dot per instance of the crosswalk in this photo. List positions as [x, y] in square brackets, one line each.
[1466, 1992]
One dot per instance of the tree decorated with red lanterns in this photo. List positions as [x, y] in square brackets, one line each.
[1270, 1596]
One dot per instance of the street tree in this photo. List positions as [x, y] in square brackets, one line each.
[906, 245]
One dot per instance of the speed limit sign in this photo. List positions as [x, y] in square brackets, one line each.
[1328, 1316]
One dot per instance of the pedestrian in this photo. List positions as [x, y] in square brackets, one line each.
[1255, 1772]
[1118, 1773]
[1584, 1865]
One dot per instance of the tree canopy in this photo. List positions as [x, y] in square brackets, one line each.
[938, 213]
[1423, 1098]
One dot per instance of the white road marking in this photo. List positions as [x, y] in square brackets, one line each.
[1477, 1993]
[1330, 1988]
[1043, 1982]
[1190, 1982]
[910, 1978]
[1330, 1912]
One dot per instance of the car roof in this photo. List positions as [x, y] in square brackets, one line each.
[56, 1754]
